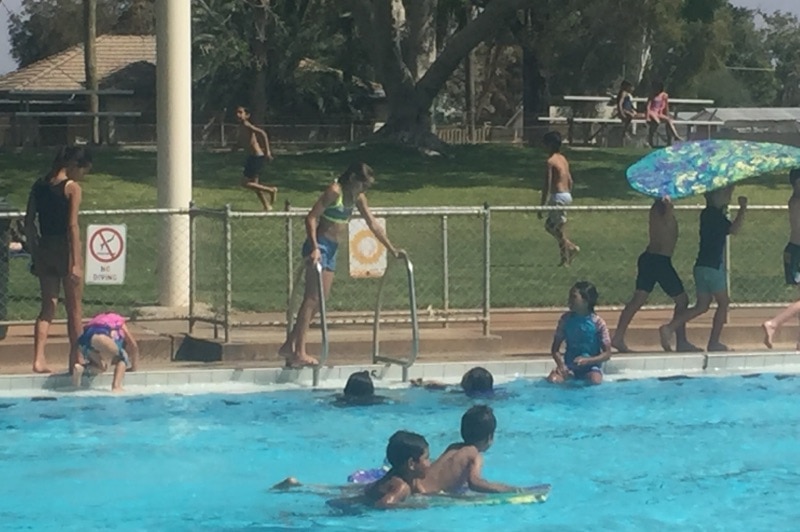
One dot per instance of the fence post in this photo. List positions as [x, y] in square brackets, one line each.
[445, 273]
[192, 265]
[228, 274]
[728, 270]
[487, 270]
[289, 268]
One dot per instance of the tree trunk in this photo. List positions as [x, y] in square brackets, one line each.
[534, 88]
[258, 94]
[409, 101]
[90, 65]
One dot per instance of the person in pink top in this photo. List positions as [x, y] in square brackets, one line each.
[657, 112]
[106, 337]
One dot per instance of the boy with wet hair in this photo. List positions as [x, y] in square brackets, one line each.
[476, 381]
[359, 391]
[557, 191]
[791, 262]
[459, 467]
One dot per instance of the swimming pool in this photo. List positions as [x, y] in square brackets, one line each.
[689, 454]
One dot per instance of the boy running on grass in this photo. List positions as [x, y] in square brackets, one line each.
[655, 266]
[557, 190]
[256, 142]
[791, 262]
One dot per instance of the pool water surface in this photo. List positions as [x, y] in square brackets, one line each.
[688, 454]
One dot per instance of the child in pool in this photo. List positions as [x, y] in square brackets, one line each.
[586, 336]
[359, 391]
[106, 338]
[459, 467]
[476, 381]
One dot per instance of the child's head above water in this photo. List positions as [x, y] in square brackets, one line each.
[359, 385]
[552, 141]
[407, 453]
[477, 380]
[583, 297]
[477, 427]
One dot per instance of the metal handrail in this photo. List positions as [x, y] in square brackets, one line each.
[412, 298]
[323, 316]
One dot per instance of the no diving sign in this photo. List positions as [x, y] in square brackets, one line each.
[367, 255]
[105, 254]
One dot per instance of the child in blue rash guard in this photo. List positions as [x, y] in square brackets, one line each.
[586, 336]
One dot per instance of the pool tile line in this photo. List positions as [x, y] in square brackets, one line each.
[622, 366]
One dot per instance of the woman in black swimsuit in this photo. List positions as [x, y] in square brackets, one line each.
[55, 245]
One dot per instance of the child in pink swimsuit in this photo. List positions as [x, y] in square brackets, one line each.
[106, 337]
[657, 112]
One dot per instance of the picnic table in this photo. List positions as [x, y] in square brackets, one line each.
[605, 123]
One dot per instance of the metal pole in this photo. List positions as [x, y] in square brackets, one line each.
[228, 274]
[192, 265]
[445, 273]
[487, 270]
[174, 129]
[90, 64]
[289, 269]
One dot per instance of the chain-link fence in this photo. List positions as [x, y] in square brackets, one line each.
[468, 261]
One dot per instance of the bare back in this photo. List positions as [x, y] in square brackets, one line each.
[450, 472]
[794, 219]
[663, 230]
[560, 178]
[248, 139]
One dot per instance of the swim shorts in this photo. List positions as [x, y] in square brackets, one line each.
[791, 264]
[710, 280]
[327, 250]
[558, 217]
[653, 268]
[253, 166]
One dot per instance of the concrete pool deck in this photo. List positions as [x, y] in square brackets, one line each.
[519, 345]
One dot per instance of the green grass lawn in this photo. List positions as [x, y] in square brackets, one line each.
[524, 257]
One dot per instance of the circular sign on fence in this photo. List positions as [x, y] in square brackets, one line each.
[367, 255]
[106, 244]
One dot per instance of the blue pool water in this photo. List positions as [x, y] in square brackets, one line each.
[696, 454]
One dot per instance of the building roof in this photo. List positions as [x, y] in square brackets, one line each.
[65, 70]
[751, 114]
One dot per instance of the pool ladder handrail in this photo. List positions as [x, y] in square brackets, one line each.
[323, 316]
[412, 299]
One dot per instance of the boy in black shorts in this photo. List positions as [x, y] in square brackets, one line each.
[655, 267]
[256, 142]
[791, 262]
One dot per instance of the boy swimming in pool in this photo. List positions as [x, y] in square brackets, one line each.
[557, 190]
[586, 336]
[459, 467]
[791, 263]
[476, 381]
[408, 456]
[106, 338]
[256, 142]
[359, 391]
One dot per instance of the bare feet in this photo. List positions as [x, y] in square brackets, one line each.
[298, 361]
[41, 367]
[118, 389]
[665, 334]
[273, 195]
[77, 375]
[718, 348]
[769, 333]
[687, 347]
[620, 346]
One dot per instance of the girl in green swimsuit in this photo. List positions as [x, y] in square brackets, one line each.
[325, 223]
